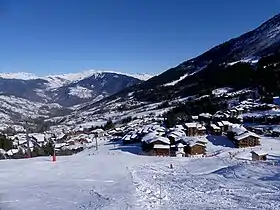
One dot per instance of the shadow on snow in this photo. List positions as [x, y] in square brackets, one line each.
[220, 141]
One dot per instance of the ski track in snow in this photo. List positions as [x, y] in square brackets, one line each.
[111, 178]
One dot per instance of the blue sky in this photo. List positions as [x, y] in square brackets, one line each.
[59, 36]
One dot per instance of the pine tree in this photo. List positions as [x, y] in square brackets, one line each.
[49, 148]
[109, 125]
[5, 143]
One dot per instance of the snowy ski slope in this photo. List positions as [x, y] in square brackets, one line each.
[115, 177]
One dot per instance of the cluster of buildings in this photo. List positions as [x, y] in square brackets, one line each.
[64, 142]
[160, 141]
[188, 139]
[237, 111]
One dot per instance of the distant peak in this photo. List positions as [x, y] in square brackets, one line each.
[92, 72]
[60, 79]
[18, 75]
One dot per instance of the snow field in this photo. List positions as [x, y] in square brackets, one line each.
[115, 178]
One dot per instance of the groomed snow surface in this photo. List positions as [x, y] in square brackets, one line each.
[115, 177]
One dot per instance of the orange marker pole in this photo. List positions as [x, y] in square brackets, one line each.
[54, 156]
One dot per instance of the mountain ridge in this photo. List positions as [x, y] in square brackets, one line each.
[70, 76]
[247, 48]
[67, 89]
[234, 61]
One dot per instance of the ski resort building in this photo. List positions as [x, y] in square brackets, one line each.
[156, 145]
[195, 129]
[161, 150]
[215, 130]
[241, 137]
[259, 155]
[195, 148]
[247, 139]
[191, 129]
[98, 132]
[226, 125]
[201, 130]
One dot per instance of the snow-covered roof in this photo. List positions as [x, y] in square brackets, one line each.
[215, 127]
[22, 141]
[160, 138]
[186, 140]
[180, 145]
[99, 130]
[260, 153]
[226, 123]
[60, 136]
[237, 129]
[126, 138]
[161, 146]
[245, 135]
[195, 117]
[149, 136]
[70, 140]
[82, 135]
[193, 143]
[176, 133]
[227, 115]
[190, 125]
[39, 137]
[220, 124]
[162, 129]
[59, 145]
[20, 137]
[201, 128]
[12, 152]
[206, 115]
[179, 127]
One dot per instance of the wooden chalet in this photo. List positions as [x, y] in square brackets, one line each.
[226, 125]
[71, 142]
[259, 155]
[175, 135]
[161, 146]
[156, 145]
[215, 130]
[61, 138]
[98, 132]
[239, 111]
[191, 129]
[247, 139]
[233, 113]
[201, 130]
[221, 126]
[195, 148]
[161, 150]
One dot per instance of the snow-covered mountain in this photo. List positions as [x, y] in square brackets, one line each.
[92, 88]
[67, 89]
[62, 79]
[24, 95]
[214, 68]
[18, 75]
